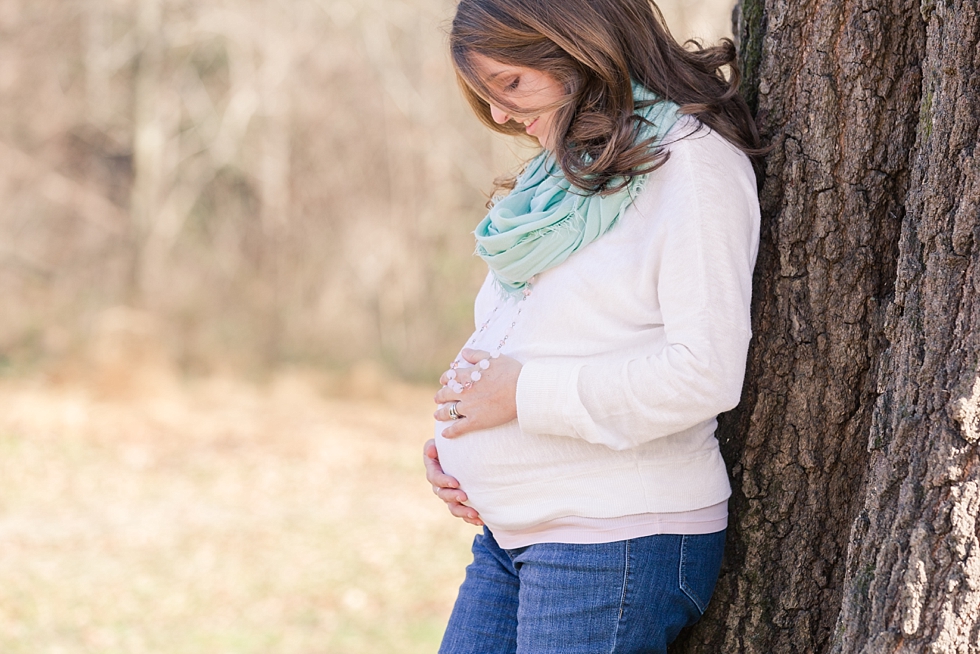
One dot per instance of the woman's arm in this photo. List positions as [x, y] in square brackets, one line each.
[706, 254]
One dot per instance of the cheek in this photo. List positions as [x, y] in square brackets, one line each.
[548, 124]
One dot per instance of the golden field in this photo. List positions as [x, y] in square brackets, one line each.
[216, 516]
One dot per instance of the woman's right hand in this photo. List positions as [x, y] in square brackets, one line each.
[445, 487]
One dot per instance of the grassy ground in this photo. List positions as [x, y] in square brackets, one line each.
[220, 517]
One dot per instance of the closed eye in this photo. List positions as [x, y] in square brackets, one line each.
[513, 85]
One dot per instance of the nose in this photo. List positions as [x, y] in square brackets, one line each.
[499, 115]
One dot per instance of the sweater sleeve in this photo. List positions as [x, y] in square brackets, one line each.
[707, 216]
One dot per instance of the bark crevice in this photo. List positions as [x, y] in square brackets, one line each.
[837, 89]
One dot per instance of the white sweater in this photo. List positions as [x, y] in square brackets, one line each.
[630, 350]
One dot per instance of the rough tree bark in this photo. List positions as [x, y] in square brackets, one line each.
[854, 452]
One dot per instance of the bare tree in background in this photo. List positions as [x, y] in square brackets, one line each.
[275, 181]
[270, 181]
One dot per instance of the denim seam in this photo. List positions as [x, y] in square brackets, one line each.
[622, 599]
[682, 578]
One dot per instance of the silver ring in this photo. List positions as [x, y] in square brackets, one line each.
[453, 414]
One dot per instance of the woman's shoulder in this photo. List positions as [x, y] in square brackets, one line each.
[697, 144]
[705, 178]
[701, 161]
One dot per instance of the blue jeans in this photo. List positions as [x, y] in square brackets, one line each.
[629, 596]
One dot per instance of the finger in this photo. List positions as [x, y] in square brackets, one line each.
[453, 373]
[459, 372]
[450, 495]
[474, 356]
[446, 395]
[436, 477]
[459, 427]
[429, 449]
[442, 414]
[439, 479]
[467, 513]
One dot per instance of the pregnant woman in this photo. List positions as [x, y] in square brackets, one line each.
[577, 425]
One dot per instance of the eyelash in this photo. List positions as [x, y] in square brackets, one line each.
[513, 85]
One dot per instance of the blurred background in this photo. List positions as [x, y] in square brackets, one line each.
[235, 252]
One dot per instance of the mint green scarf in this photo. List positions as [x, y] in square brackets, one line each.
[544, 220]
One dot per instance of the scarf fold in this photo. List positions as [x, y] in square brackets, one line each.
[544, 219]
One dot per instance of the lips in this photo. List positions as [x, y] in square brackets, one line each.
[527, 128]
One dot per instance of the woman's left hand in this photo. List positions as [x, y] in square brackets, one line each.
[489, 402]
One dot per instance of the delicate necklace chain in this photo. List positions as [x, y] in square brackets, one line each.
[458, 386]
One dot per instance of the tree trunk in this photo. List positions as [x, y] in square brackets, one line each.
[854, 452]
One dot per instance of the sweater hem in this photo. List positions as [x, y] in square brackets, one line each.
[608, 493]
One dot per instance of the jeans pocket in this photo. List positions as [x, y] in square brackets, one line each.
[700, 565]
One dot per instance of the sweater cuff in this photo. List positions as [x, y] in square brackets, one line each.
[543, 393]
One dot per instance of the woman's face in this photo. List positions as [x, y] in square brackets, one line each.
[525, 88]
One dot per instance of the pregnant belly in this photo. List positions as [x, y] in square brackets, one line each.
[484, 460]
[492, 462]
[517, 480]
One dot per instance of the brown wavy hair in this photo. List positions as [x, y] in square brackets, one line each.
[595, 48]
